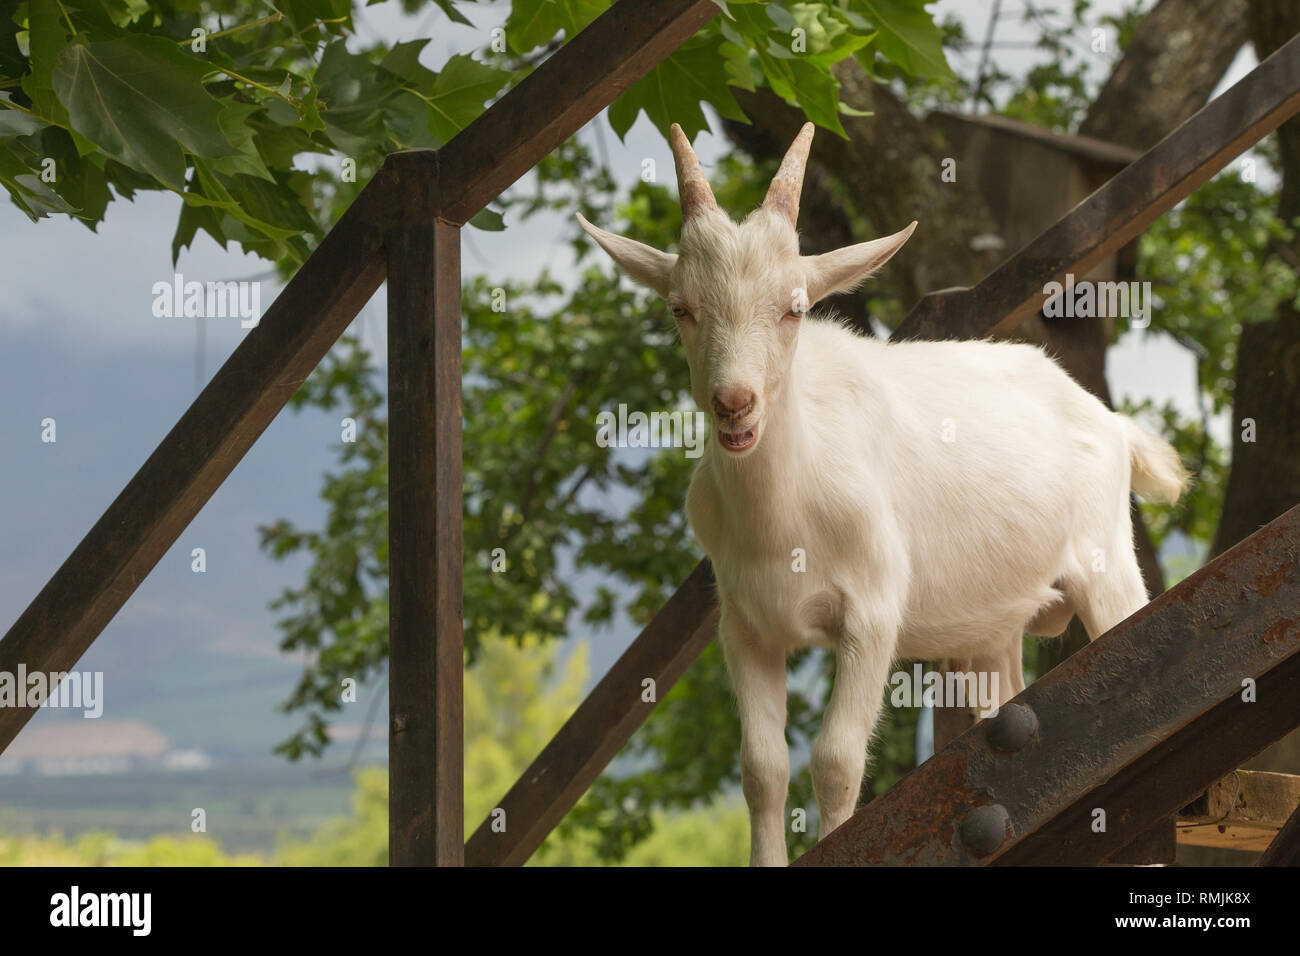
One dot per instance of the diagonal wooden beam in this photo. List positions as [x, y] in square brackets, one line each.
[600, 727]
[1120, 210]
[1134, 727]
[583, 77]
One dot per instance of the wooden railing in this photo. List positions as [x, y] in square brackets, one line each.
[405, 226]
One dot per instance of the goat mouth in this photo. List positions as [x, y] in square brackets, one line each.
[738, 441]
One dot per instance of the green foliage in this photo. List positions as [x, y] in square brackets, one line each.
[99, 848]
[516, 698]
[515, 701]
[221, 107]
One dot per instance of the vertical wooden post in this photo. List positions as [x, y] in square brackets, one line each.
[425, 733]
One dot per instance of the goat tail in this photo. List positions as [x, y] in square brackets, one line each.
[1157, 472]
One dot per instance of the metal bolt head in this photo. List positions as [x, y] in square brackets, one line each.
[1012, 727]
[984, 829]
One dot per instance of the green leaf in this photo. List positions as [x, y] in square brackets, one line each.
[741, 71]
[533, 23]
[355, 91]
[672, 92]
[489, 220]
[247, 160]
[14, 122]
[908, 36]
[461, 89]
[140, 99]
[303, 13]
[269, 209]
[828, 38]
[194, 217]
[47, 36]
[80, 182]
[28, 192]
[12, 62]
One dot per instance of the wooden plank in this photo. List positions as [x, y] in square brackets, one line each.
[601, 726]
[1137, 724]
[1242, 811]
[203, 447]
[559, 97]
[425, 550]
[1120, 210]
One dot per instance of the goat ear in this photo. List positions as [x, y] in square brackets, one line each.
[642, 263]
[845, 268]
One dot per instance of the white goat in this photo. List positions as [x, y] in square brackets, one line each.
[947, 496]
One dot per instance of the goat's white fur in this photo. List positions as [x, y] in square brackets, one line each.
[947, 495]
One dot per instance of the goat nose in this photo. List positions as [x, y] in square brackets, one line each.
[732, 402]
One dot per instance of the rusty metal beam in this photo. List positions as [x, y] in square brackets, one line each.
[1121, 209]
[1136, 725]
[600, 727]
[577, 82]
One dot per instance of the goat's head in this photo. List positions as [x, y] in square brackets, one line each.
[738, 291]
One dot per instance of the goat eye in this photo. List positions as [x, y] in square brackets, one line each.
[682, 314]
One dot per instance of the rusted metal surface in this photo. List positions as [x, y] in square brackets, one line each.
[1136, 725]
[1121, 209]
[600, 727]
[425, 734]
[577, 82]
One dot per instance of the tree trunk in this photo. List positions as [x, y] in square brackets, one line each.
[1171, 66]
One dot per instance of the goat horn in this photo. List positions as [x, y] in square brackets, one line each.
[787, 184]
[696, 194]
